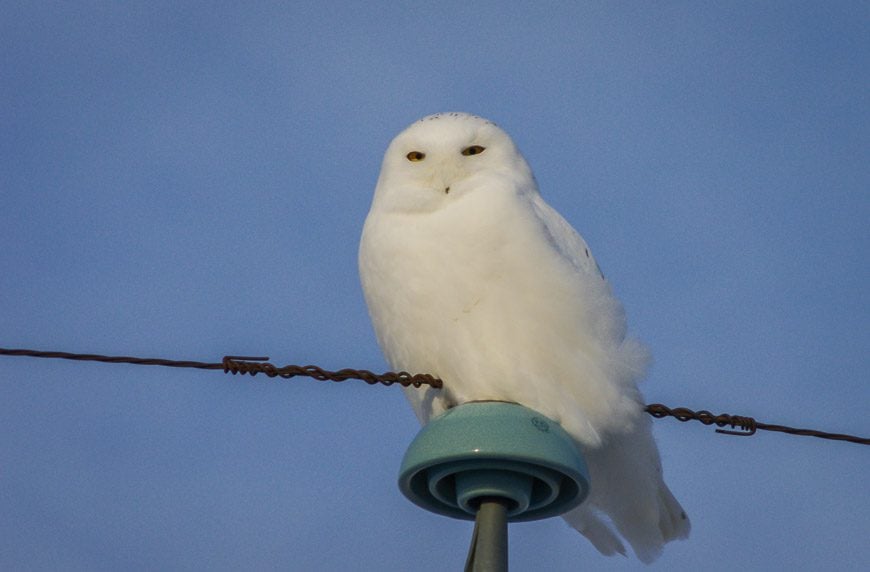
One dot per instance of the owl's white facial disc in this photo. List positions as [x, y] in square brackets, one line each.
[440, 158]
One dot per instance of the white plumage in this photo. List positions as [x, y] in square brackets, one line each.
[470, 276]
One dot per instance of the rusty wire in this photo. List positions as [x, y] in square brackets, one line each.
[253, 366]
[247, 365]
[745, 426]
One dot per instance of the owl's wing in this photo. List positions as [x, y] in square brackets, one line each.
[563, 236]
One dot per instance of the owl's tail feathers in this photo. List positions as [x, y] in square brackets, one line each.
[673, 522]
[669, 523]
[646, 539]
[590, 525]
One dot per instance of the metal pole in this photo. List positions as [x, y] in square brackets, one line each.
[489, 549]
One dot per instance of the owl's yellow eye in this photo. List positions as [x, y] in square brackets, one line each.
[473, 150]
[415, 156]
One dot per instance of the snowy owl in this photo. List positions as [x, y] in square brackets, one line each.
[470, 276]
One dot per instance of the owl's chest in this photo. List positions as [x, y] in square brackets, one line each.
[459, 271]
[445, 258]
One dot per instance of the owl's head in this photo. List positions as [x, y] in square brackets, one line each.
[443, 157]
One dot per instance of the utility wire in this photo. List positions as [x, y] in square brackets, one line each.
[247, 365]
[746, 426]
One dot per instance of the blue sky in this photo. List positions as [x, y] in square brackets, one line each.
[189, 180]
